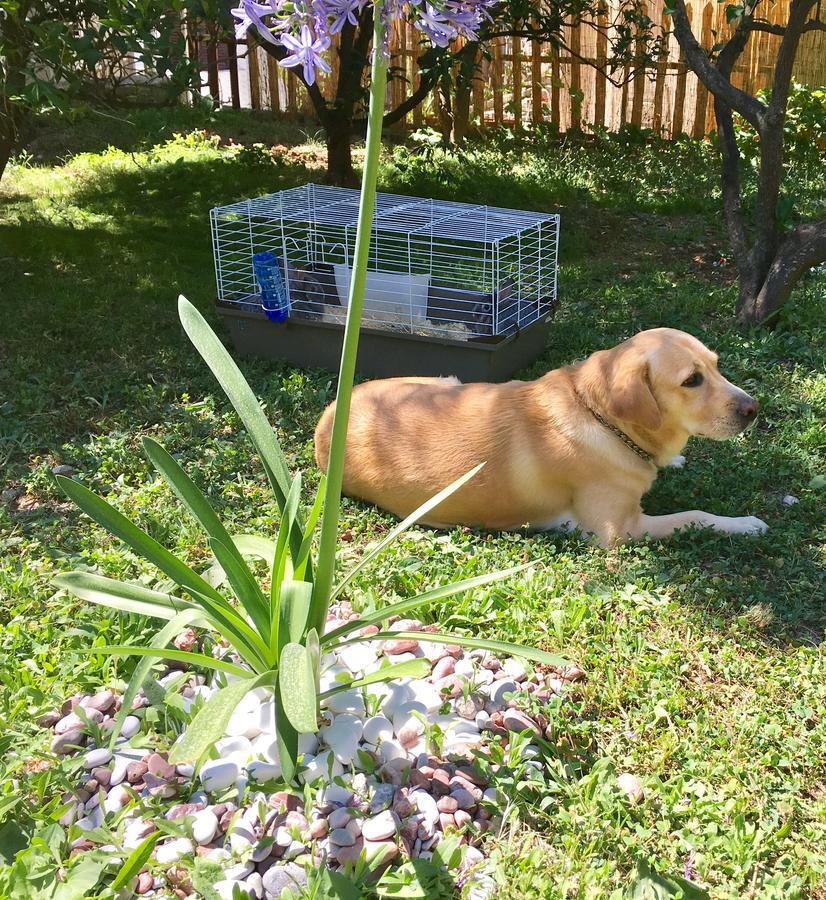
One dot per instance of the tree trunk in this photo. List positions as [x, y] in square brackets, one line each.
[461, 112]
[339, 153]
[762, 293]
[6, 148]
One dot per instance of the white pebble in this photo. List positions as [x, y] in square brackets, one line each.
[218, 774]
[245, 719]
[789, 500]
[95, 758]
[241, 837]
[343, 737]
[325, 766]
[204, 826]
[116, 799]
[131, 726]
[392, 749]
[330, 676]
[357, 657]
[499, 691]
[226, 888]
[119, 769]
[397, 695]
[263, 771]
[335, 795]
[93, 820]
[238, 744]
[425, 693]
[173, 850]
[464, 666]
[514, 669]
[376, 729]
[345, 702]
[307, 743]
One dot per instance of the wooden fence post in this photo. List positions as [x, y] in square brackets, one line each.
[659, 86]
[680, 89]
[252, 68]
[516, 79]
[497, 81]
[576, 82]
[600, 82]
[700, 107]
[536, 83]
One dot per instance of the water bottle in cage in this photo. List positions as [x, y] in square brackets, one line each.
[270, 279]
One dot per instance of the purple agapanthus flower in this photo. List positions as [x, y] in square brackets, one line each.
[251, 15]
[306, 51]
[341, 12]
[307, 26]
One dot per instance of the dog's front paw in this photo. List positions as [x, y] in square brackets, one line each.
[676, 462]
[746, 525]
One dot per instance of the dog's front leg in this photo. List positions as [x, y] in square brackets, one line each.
[663, 526]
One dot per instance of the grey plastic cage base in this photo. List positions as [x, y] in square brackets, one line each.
[383, 354]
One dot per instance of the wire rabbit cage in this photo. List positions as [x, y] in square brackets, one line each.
[441, 275]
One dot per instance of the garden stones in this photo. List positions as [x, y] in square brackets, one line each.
[377, 729]
[204, 826]
[631, 786]
[375, 788]
[343, 736]
[380, 827]
[518, 721]
[218, 774]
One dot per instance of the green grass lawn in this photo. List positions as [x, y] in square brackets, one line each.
[704, 654]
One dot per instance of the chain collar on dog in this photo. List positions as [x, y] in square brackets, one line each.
[643, 454]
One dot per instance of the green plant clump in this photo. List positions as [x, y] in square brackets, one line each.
[277, 635]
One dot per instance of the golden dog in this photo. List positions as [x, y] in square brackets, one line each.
[576, 448]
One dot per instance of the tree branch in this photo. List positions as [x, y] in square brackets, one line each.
[426, 85]
[771, 134]
[750, 108]
[802, 249]
[729, 152]
[767, 27]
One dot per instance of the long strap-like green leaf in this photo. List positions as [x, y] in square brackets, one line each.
[406, 523]
[328, 540]
[405, 606]
[194, 659]
[246, 588]
[115, 522]
[216, 605]
[211, 721]
[121, 595]
[245, 403]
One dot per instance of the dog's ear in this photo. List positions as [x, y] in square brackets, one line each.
[630, 398]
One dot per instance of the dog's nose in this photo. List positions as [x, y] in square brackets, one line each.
[748, 407]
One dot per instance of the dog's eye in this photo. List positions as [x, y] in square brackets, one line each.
[694, 380]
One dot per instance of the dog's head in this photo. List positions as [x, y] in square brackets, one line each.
[667, 379]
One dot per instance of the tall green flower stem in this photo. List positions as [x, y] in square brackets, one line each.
[323, 584]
